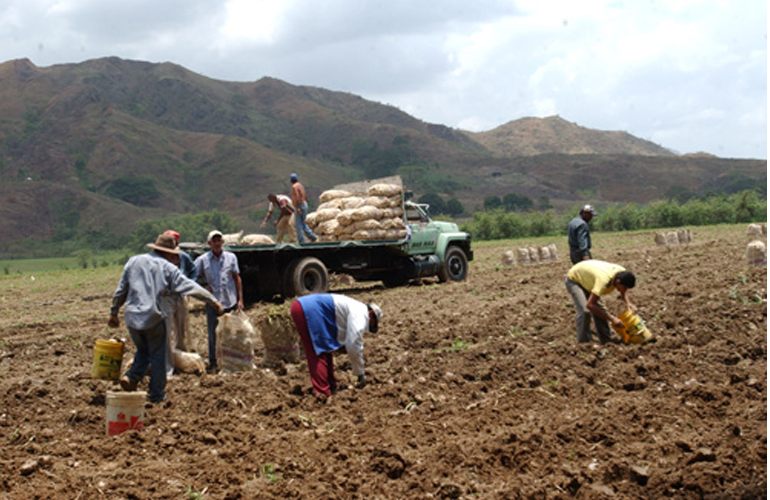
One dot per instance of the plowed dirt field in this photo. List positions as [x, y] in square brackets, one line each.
[476, 390]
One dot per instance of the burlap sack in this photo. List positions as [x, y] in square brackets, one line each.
[331, 227]
[395, 234]
[672, 238]
[366, 212]
[393, 223]
[189, 362]
[756, 254]
[257, 239]
[232, 239]
[345, 217]
[367, 224]
[352, 202]
[325, 214]
[235, 343]
[279, 336]
[554, 255]
[335, 203]
[377, 201]
[522, 255]
[384, 190]
[332, 194]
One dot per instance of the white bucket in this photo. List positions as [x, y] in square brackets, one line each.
[125, 410]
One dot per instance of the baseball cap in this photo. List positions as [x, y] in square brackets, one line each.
[173, 233]
[212, 234]
[293, 177]
[589, 209]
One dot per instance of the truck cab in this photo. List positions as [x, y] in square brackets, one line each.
[449, 247]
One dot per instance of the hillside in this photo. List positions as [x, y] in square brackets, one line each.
[554, 135]
[91, 148]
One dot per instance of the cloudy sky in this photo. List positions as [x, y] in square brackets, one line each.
[690, 75]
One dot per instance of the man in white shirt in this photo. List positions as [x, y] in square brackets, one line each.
[326, 322]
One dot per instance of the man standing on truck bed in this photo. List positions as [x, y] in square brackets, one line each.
[327, 321]
[284, 222]
[299, 199]
[222, 275]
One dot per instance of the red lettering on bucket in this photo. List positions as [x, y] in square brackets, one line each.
[121, 425]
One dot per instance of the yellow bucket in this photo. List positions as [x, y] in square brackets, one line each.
[125, 410]
[633, 331]
[108, 356]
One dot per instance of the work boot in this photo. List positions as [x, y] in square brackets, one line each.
[127, 384]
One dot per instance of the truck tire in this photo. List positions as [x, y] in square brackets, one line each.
[455, 265]
[306, 276]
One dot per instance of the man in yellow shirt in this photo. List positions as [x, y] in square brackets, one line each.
[586, 282]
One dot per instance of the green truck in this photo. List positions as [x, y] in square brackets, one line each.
[430, 248]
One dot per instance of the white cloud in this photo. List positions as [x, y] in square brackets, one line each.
[689, 74]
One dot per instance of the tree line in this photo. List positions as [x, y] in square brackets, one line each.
[746, 206]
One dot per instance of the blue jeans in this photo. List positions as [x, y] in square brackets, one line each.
[150, 352]
[302, 227]
[212, 320]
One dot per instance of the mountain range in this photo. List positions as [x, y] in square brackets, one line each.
[100, 145]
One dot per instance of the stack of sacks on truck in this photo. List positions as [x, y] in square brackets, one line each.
[343, 216]
[530, 255]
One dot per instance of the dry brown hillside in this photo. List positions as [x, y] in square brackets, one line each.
[84, 145]
[535, 136]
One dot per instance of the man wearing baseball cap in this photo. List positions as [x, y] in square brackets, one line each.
[219, 269]
[326, 322]
[579, 235]
[145, 277]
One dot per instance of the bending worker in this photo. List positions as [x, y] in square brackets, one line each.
[284, 224]
[586, 282]
[325, 322]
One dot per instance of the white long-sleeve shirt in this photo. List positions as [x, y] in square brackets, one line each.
[334, 321]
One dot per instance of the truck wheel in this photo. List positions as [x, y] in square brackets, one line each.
[307, 276]
[455, 265]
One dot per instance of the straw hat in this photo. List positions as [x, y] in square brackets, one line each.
[165, 243]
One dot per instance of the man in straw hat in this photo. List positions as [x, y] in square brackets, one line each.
[145, 277]
[327, 321]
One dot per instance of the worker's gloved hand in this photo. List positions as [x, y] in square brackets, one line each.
[220, 310]
[361, 382]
